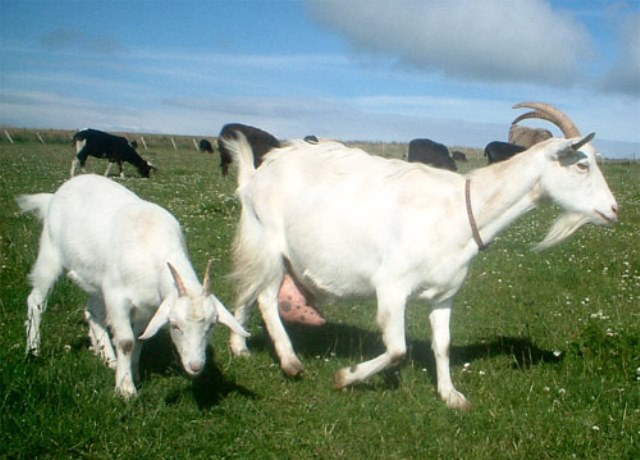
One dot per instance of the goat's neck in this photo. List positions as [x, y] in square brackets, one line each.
[502, 192]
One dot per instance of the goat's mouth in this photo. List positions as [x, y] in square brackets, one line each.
[604, 219]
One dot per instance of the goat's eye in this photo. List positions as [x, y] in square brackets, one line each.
[583, 166]
[176, 328]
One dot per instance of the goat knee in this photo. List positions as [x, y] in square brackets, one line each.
[396, 356]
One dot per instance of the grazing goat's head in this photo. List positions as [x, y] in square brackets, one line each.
[191, 317]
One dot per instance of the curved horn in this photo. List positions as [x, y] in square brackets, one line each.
[532, 114]
[555, 116]
[206, 280]
[182, 291]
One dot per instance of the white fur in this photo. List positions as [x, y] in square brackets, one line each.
[349, 224]
[117, 248]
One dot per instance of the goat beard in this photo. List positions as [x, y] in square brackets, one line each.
[564, 226]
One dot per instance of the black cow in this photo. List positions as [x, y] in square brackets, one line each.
[205, 146]
[431, 153]
[499, 151]
[261, 142]
[116, 149]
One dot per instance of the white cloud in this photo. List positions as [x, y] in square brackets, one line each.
[491, 40]
[624, 77]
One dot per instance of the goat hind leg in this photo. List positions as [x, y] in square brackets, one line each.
[268, 302]
[44, 274]
[237, 342]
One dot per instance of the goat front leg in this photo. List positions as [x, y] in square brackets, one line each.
[391, 306]
[268, 303]
[440, 343]
[126, 347]
[98, 333]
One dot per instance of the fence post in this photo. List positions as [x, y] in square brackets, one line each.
[6, 133]
[173, 142]
[40, 138]
[144, 143]
[195, 144]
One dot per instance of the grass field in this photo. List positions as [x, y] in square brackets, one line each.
[546, 346]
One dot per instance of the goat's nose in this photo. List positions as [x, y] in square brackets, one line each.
[195, 366]
[614, 208]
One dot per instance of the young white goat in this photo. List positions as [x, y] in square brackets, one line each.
[131, 257]
[347, 224]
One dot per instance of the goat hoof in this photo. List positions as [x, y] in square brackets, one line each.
[456, 400]
[239, 346]
[341, 378]
[126, 393]
[293, 369]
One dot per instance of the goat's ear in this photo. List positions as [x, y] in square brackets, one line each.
[225, 317]
[159, 319]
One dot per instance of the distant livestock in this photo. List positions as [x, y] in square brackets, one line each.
[115, 149]
[348, 224]
[526, 136]
[431, 153]
[205, 146]
[261, 142]
[311, 139]
[499, 151]
[131, 257]
[457, 155]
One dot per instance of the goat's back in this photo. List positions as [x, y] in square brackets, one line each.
[330, 210]
[103, 229]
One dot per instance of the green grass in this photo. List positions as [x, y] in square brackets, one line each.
[546, 346]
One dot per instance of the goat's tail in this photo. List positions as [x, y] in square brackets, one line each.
[257, 261]
[242, 154]
[37, 203]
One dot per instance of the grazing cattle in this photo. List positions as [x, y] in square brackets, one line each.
[348, 224]
[116, 149]
[261, 142]
[497, 151]
[431, 153]
[205, 146]
[457, 155]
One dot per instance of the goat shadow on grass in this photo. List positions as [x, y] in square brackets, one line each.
[354, 343]
[159, 356]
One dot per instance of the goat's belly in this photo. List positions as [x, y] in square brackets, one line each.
[334, 277]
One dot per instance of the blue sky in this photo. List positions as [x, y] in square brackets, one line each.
[351, 69]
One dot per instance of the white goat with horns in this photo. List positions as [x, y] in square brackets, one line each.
[130, 256]
[348, 224]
